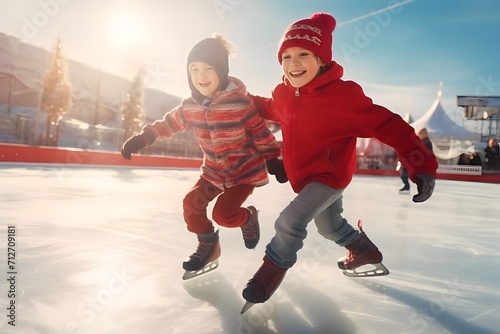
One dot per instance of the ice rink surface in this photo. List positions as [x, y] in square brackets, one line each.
[99, 251]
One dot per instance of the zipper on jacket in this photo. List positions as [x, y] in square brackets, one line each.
[297, 93]
[329, 157]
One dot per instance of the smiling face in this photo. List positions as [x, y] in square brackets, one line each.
[300, 66]
[204, 78]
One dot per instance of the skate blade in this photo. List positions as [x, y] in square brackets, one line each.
[379, 270]
[246, 307]
[211, 266]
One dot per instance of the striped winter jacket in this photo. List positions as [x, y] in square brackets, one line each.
[234, 138]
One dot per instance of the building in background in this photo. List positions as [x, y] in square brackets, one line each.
[483, 112]
[93, 122]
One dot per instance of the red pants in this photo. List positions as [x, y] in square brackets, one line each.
[227, 211]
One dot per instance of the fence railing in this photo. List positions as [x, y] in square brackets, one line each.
[460, 169]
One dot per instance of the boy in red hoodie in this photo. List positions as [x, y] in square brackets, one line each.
[235, 141]
[321, 117]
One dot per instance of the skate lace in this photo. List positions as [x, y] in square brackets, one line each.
[249, 231]
[364, 254]
[266, 276]
[203, 250]
[351, 256]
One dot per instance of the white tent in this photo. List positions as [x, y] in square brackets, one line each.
[407, 118]
[441, 127]
[449, 139]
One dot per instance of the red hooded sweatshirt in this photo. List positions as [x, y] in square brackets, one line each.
[321, 122]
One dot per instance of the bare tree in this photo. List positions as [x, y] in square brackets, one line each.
[132, 109]
[57, 93]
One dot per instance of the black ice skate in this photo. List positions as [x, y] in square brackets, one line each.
[362, 252]
[251, 230]
[263, 284]
[404, 190]
[205, 259]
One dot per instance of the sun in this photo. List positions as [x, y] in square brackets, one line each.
[126, 27]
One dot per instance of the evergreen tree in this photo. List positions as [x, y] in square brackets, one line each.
[132, 109]
[56, 92]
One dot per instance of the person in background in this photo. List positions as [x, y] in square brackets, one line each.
[424, 137]
[492, 158]
[474, 159]
[236, 143]
[464, 159]
[404, 177]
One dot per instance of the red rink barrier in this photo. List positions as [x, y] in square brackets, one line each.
[72, 156]
[19, 153]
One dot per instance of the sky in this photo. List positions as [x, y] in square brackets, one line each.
[99, 251]
[399, 51]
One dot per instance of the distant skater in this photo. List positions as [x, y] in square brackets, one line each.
[405, 178]
[424, 137]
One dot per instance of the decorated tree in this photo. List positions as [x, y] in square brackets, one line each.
[132, 109]
[56, 93]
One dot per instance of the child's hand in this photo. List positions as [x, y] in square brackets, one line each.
[425, 186]
[275, 167]
[133, 145]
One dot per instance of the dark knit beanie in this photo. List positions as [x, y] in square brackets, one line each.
[314, 34]
[213, 52]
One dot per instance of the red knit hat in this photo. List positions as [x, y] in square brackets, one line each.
[314, 34]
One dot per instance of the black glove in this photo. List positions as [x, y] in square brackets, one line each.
[133, 145]
[425, 186]
[275, 167]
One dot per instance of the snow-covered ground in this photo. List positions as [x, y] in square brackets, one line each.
[99, 250]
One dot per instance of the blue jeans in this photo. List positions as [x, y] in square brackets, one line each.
[316, 201]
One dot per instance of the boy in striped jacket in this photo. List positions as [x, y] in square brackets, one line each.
[236, 143]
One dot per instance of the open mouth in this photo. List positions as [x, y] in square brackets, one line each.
[296, 74]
